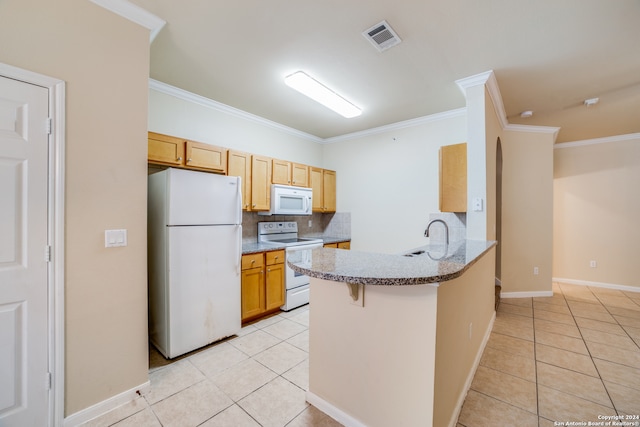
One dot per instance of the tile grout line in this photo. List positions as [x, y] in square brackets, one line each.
[591, 356]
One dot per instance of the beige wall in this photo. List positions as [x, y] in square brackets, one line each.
[596, 207]
[374, 363]
[527, 211]
[174, 116]
[465, 311]
[391, 177]
[104, 61]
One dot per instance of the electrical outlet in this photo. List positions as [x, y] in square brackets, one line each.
[536, 271]
[593, 264]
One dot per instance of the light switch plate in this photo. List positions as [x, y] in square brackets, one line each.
[115, 238]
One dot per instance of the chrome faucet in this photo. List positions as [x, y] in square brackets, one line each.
[446, 228]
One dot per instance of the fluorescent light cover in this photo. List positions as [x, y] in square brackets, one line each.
[322, 94]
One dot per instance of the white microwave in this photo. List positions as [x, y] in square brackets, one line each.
[288, 200]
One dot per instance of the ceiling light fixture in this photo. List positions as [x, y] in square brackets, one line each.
[526, 114]
[591, 101]
[322, 94]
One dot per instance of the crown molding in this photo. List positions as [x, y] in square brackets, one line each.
[534, 129]
[135, 14]
[226, 109]
[604, 140]
[399, 125]
[488, 79]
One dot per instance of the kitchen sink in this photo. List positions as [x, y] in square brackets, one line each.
[416, 253]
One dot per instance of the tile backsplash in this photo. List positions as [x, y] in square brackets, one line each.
[457, 223]
[333, 225]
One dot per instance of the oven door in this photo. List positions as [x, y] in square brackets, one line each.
[300, 254]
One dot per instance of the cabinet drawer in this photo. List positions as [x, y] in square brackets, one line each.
[344, 245]
[252, 261]
[275, 257]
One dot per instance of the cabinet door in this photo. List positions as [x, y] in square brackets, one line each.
[453, 178]
[281, 172]
[260, 183]
[316, 184]
[239, 164]
[165, 149]
[329, 190]
[330, 245]
[253, 297]
[274, 283]
[344, 245]
[206, 157]
[299, 175]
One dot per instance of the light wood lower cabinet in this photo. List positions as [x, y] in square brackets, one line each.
[262, 283]
[340, 245]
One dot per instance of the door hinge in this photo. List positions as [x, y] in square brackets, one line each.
[49, 126]
[47, 253]
[48, 381]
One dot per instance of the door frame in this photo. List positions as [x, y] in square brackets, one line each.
[55, 237]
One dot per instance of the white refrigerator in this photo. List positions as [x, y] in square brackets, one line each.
[194, 256]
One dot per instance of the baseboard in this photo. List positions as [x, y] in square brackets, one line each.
[535, 294]
[335, 413]
[472, 373]
[107, 405]
[597, 284]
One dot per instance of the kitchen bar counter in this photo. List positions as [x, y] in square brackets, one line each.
[397, 355]
[431, 264]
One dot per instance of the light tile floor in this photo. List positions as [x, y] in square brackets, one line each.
[570, 357]
[258, 378]
[574, 356]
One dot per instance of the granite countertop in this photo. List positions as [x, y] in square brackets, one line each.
[255, 247]
[438, 263]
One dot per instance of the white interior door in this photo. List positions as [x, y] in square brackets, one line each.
[24, 380]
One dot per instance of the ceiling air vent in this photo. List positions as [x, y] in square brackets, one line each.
[382, 36]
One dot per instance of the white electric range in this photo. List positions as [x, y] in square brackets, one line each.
[296, 248]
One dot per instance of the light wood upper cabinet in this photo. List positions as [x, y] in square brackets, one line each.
[281, 172]
[165, 149]
[178, 152]
[323, 185]
[260, 183]
[299, 175]
[206, 157]
[317, 185]
[289, 173]
[239, 164]
[453, 178]
[329, 190]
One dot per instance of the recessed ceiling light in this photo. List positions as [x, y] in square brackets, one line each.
[322, 94]
[591, 101]
[526, 114]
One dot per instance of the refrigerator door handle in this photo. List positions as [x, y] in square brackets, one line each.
[239, 200]
[239, 251]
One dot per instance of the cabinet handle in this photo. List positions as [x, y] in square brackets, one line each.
[179, 159]
[253, 261]
[254, 206]
[188, 160]
[268, 270]
[276, 257]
